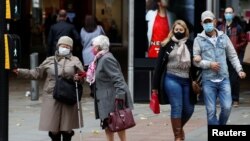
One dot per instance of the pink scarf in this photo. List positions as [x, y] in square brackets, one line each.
[92, 67]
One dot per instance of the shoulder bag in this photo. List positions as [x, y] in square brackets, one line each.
[65, 90]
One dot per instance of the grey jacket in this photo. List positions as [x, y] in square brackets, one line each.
[222, 51]
[109, 84]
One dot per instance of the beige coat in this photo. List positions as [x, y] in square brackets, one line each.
[55, 116]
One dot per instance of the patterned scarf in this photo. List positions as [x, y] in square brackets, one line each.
[183, 54]
[92, 67]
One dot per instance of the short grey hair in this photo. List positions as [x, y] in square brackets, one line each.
[102, 41]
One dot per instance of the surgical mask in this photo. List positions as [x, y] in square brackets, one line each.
[179, 35]
[208, 27]
[228, 17]
[63, 51]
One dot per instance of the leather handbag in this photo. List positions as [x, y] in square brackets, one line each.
[66, 90]
[196, 84]
[196, 88]
[154, 103]
[120, 119]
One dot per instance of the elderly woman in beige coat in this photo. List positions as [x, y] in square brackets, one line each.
[105, 72]
[57, 118]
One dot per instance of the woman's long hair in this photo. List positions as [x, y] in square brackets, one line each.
[90, 23]
[171, 33]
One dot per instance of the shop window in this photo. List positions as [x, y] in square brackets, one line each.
[109, 15]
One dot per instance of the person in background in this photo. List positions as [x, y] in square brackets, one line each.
[174, 67]
[214, 47]
[159, 21]
[62, 28]
[105, 72]
[89, 31]
[238, 37]
[57, 118]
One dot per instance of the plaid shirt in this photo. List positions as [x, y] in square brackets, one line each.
[236, 35]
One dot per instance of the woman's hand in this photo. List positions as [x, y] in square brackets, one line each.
[15, 71]
[197, 58]
[80, 76]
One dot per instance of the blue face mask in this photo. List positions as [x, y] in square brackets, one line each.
[228, 17]
[208, 27]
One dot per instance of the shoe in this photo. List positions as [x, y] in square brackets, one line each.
[236, 104]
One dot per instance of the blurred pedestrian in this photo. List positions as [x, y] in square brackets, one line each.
[159, 21]
[57, 118]
[89, 31]
[173, 77]
[105, 72]
[62, 28]
[234, 31]
[215, 47]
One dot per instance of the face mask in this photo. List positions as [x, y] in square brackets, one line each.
[179, 35]
[228, 17]
[208, 27]
[63, 51]
[94, 50]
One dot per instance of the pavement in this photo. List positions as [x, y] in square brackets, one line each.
[24, 118]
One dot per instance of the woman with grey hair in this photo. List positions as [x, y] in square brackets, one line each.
[105, 72]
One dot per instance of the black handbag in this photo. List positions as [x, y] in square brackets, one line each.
[66, 90]
[120, 119]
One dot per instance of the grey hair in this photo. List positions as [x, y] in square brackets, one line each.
[102, 41]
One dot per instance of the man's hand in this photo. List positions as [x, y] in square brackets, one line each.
[215, 66]
[242, 74]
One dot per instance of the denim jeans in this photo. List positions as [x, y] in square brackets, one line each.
[178, 92]
[212, 91]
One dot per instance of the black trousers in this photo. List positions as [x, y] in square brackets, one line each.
[235, 82]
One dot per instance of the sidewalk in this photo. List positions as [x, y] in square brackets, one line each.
[24, 119]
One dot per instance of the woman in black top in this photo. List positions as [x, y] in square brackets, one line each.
[172, 77]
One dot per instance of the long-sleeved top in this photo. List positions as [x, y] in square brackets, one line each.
[219, 51]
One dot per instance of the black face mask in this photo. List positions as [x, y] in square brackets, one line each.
[179, 35]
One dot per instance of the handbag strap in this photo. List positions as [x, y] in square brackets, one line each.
[56, 69]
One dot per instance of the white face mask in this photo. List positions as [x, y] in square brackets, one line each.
[63, 51]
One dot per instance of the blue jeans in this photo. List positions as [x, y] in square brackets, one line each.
[211, 91]
[178, 92]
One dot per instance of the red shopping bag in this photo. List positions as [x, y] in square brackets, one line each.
[154, 103]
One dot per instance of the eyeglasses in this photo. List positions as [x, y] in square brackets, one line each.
[228, 12]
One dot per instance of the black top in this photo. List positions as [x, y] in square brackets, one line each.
[62, 28]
